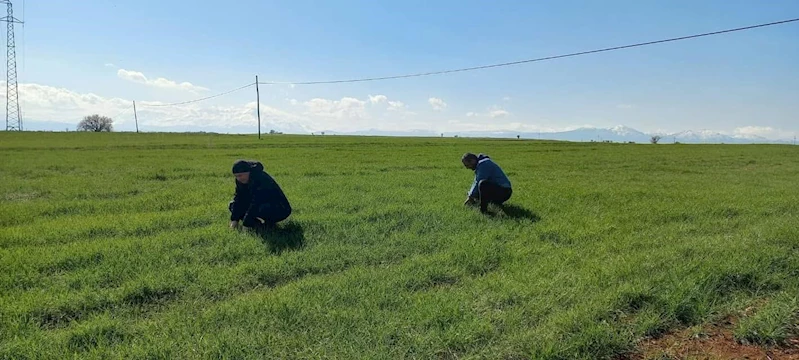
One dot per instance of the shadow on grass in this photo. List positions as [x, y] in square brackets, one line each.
[515, 212]
[282, 237]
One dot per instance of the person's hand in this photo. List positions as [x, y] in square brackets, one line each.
[234, 224]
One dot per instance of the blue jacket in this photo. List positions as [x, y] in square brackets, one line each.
[489, 171]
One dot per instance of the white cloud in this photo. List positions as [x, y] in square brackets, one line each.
[377, 99]
[625, 106]
[437, 104]
[222, 116]
[42, 103]
[347, 107]
[47, 103]
[396, 106]
[110, 65]
[762, 131]
[506, 99]
[140, 78]
[498, 113]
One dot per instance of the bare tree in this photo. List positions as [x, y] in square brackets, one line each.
[96, 123]
[655, 139]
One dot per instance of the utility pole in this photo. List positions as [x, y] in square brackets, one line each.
[135, 116]
[13, 112]
[258, 105]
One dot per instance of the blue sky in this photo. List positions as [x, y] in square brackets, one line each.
[78, 58]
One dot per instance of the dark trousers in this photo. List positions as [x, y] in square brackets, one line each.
[271, 213]
[491, 193]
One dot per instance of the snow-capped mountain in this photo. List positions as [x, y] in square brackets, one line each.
[625, 131]
[713, 137]
[700, 136]
[616, 134]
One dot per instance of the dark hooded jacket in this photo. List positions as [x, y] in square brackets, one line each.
[261, 190]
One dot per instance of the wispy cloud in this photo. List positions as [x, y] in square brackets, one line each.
[625, 106]
[347, 107]
[493, 113]
[110, 65]
[498, 113]
[140, 78]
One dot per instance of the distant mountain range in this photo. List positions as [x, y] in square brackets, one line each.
[585, 134]
[614, 134]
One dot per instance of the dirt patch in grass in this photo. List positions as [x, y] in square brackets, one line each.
[713, 341]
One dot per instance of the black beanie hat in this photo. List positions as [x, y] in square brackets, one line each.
[241, 166]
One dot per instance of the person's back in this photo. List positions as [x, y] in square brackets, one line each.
[489, 170]
[259, 200]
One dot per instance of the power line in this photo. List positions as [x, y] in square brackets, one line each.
[526, 61]
[122, 112]
[475, 67]
[201, 99]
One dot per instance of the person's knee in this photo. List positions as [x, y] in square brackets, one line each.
[230, 206]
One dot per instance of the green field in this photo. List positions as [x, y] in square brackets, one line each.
[117, 246]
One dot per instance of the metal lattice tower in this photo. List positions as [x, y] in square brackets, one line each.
[13, 113]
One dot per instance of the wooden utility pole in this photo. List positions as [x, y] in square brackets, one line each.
[258, 106]
[135, 116]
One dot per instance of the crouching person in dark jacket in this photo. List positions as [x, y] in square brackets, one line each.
[490, 186]
[259, 202]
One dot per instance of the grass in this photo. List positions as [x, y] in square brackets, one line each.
[116, 246]
[773, 324]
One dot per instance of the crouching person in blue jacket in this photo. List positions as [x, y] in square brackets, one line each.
[491, 185]
[259, 202]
